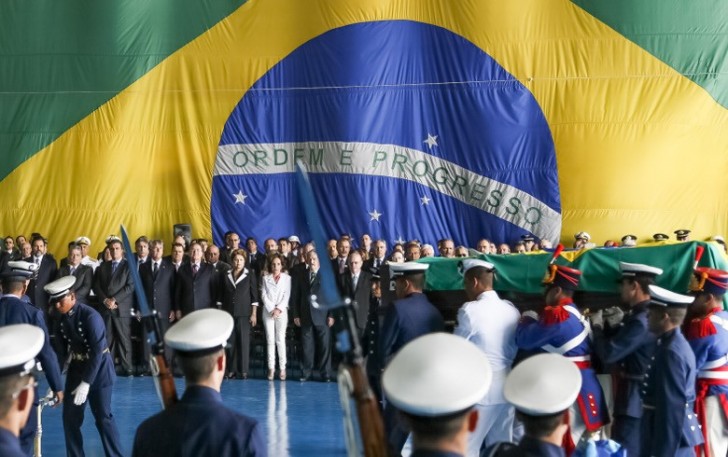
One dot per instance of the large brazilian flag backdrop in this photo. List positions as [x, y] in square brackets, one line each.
[417, 118]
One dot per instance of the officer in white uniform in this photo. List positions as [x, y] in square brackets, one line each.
[490, 323]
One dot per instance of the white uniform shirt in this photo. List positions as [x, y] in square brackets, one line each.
[490, 323]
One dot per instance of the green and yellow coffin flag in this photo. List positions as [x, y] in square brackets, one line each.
[496, 118]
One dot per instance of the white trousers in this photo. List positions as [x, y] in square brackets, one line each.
[495, 424]
[275, 337]
[717, 427]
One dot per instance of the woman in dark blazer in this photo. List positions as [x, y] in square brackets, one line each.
[239, 297]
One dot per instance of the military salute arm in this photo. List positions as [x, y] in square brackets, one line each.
[352, 372]
[163, 379]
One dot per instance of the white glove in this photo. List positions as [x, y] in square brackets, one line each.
[532, 314]
[596, 319]
[613, 316]
[80, 393]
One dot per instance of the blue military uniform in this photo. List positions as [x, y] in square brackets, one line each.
[9, 444]
[708, 338]
[562, 330]
[528, 447]
[405, 320]
[207, 425]
[84, 332]
[14, 310]
[631, 349]
[199, 424]
[669, 426]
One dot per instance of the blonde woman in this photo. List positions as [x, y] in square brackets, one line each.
[276, 291]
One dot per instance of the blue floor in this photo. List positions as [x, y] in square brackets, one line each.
[300, 419]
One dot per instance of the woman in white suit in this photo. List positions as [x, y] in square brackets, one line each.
[276, 291]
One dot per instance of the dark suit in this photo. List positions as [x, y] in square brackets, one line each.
[84, 280]
[199, 424]
[47, 272]
[222, 267]
[371, 263]
[313, 325]
[359, 296]
[198, 291]
[159, 290]
[120, 287]
[238, 297]
[256, 262]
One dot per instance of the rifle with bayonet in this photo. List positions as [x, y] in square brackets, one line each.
[163, 379]
[352, 378]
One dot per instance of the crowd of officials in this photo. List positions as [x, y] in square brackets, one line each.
[667, 352]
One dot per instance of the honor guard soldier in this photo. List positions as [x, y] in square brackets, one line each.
[669, 426]
[497, 339]
[542, 389]
[410, 316]
[435, 382]
[20, 344]
[707, 334]
[15, 310]
[200, 424]
[91, 371]
[630, 346]
[561, 329]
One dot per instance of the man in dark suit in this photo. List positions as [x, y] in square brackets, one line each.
[212, 256]
[47, 272]
[232, 242]
[115, 290]
[355, 284]
[83, 273]
[196, 285]
[158, 277]
[343, 247]
[378, 257]
[256, 259]
[314, 323]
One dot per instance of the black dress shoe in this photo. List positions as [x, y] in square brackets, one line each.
[305, 378]
[244, 376]
[230, 376]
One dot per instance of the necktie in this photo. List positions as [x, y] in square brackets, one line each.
[73, 270]
[194, 270]
[37, 261]
[155, 267]
[355, 281]
[377, 263]
[114, 265]
[312, 277]
[342, 265]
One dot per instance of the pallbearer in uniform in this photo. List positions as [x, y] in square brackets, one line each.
[542, 389]
[200, 424]
[410, 316]
[435, 382]
[561, 329]
[20, 344]
[14, 310]
[669, 426]
[489, 323]
[707, 333]
[91, 371]
[630, 347]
